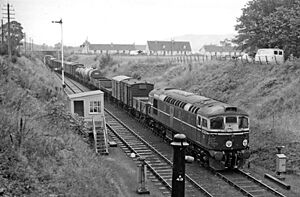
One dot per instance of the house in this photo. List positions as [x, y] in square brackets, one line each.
[168, 48]
[87, 47]
[215, 50]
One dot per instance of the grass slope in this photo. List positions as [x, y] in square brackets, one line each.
[42, 151]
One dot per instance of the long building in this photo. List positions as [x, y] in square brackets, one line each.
[152, 48]
[168, 48]
[126, 49]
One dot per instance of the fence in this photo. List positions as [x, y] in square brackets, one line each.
[203, 58]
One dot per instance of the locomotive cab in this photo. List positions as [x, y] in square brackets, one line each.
[229, 123]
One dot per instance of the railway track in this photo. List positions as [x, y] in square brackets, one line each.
[247, 184]
[71, 87]
[157, 163]
[199, 181]
[229, 183]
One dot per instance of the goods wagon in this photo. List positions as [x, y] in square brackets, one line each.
[116, 86]
[134, 88]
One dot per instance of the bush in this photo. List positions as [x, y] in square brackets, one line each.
[14, 59]
[106, 60]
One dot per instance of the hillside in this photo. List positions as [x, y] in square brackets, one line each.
[42, 151]
[269, 93]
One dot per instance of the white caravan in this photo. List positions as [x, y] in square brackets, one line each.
[269, 56]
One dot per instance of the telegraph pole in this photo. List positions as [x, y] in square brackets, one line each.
[2, 33]
[9, 47]
[8, 10]
[25, 42]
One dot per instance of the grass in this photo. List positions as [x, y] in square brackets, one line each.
[43, 152]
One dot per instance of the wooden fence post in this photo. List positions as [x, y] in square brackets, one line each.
[267, 59]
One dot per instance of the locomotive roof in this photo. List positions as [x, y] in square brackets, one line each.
[131, 81]
[195, 103]
[120, 78]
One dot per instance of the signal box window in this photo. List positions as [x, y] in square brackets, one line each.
[95, 107]
[275, 52]
[155, 106]
[217, 123]
[280, 52]
[243, 122]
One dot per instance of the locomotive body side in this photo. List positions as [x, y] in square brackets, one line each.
[217, 128]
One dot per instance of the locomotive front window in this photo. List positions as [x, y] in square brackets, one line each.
[243, 122]
[217, 123]
[142, 87]
[204, 122]
[231, 119]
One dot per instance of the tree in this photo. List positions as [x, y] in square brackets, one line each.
[269, 23]
[283, 29]
[16, 35]
[57, 45]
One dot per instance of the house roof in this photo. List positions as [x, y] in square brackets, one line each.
[117, 47]
[85, 94]
[215, 48]
[140, 47]
[169, 45]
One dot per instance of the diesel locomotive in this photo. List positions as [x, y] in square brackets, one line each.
[217, 133]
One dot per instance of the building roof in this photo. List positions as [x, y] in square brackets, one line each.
[85, 94]
[169, 45]
[215, 48]
[140, 47]
[116, 47]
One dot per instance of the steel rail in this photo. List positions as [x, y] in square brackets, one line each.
[162, 156]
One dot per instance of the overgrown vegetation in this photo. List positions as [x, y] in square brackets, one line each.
[105, 61]
[43, 151]
[16, 35]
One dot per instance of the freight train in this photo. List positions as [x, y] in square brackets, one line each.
[217, 133]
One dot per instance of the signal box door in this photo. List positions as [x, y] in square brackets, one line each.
[79, 108]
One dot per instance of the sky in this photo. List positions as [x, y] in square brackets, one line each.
[123, 21]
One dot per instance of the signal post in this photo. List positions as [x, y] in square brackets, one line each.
[178, 177]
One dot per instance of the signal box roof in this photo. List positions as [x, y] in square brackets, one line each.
[85, 94]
